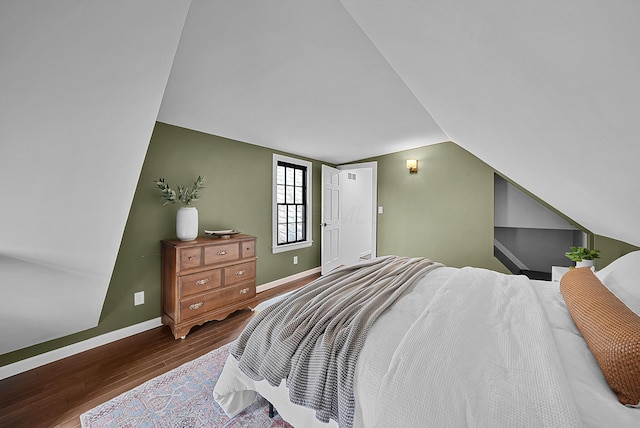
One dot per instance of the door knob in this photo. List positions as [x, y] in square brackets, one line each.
[324, 224]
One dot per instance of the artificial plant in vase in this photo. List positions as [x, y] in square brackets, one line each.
[187, 216]
[582, 256]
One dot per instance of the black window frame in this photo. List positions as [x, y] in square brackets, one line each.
[299, 221]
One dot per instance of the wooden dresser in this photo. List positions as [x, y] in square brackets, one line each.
[206, 279]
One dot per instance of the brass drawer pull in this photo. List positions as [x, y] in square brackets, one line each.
[240, 272]
[202, 281]
[190, 258]
[222, 253]
[244, 290]
[196, 306]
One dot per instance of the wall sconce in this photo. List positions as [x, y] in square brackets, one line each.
[412, 166]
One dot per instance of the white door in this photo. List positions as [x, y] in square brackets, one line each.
[331, 218]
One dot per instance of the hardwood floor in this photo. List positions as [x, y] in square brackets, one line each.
[55, 395]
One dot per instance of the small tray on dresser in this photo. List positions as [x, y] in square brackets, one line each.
[223, 234]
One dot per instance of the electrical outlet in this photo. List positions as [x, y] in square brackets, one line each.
[295, 260]
[138, 298]
[380, 210]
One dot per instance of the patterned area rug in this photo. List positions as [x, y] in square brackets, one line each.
[181, 398]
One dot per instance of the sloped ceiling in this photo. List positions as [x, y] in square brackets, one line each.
[298, 76]
[545, 92]
[82, 84]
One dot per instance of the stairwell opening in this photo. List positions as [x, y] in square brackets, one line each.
[530, 237]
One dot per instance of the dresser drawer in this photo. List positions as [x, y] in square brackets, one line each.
[238, 273]
[248, 249]
[193, 306]
[199, 282]
[190, 258]
[221, 253]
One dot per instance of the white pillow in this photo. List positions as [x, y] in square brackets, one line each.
[622, 278]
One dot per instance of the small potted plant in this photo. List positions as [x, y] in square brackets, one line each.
[187, 216]
[582, 256]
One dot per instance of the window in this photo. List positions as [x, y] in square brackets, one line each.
[291, 204]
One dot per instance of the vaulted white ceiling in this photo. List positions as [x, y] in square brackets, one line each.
[545, 92]
[298, 76]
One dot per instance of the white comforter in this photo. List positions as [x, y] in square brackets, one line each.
[484, 356]
[467, 347]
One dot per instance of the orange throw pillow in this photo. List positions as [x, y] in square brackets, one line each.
[611, 330]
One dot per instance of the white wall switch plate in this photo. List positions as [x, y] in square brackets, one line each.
[295, 260]
[380, 210]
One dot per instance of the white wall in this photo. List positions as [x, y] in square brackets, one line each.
[81, 86]
[514, 208]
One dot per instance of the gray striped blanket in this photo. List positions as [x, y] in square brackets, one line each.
[313, 338]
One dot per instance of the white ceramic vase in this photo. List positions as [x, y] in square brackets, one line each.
[585, 263]
[187, 223]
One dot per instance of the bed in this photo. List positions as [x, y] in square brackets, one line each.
[461, 347]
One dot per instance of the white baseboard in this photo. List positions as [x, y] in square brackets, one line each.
[278, 282]
[75, 348]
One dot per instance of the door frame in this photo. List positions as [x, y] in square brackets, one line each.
[374, 205]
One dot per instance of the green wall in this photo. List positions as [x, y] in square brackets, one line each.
[610, 250]
[443, 212]
[237, 195]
